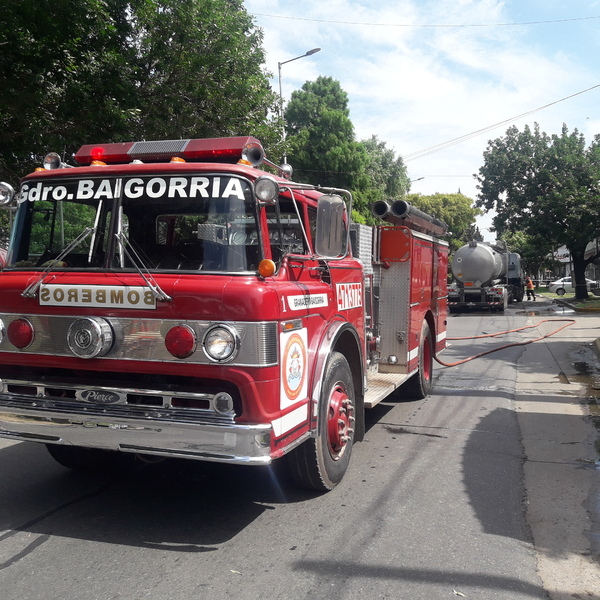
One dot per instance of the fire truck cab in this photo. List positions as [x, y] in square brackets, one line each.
[173, 299]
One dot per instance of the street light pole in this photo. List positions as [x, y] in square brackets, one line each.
[279, 65]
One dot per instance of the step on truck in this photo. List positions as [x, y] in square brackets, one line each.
[186, 298]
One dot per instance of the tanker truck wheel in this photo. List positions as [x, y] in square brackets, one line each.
[90, 459]
[419, 385]
[321, 462]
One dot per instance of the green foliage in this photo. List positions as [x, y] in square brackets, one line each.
[386, 172]
[535, 250]
[64, 67]
[387, 178]
[55, 225]
[85, 71]
[6, 217]
[321, 142]
[547, 187]
[323, 151]
[456, 210]
[199, 70]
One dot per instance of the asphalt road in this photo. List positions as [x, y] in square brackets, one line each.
[433, 506]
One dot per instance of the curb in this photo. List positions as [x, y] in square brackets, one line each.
[569, 305]
[596, 342]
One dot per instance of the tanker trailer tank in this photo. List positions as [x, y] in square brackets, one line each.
[477, 265]
[480, 273]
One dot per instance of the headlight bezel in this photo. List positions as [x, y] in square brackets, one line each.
[224, 336]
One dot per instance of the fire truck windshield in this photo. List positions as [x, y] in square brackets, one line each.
[187, 222]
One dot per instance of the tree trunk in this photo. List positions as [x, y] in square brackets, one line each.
[579, 265]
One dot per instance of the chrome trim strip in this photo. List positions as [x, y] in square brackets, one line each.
[247, 444]
[142, 339]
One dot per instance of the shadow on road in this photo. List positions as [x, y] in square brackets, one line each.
[174, 505]
[493, 477]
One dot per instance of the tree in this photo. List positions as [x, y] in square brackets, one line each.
[386, 171]
[387, 178]
[320, 136]
[535, 251]
[64, 67]
[456, 210]
[547, 187]
[84, 71]
[199, 71]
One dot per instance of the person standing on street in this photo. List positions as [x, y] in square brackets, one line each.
[530, 288]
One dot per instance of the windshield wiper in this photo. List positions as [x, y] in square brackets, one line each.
[32, 289]
[141, 268]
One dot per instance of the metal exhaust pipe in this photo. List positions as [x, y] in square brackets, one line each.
[380, 209]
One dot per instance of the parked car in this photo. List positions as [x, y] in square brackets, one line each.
[561, 286]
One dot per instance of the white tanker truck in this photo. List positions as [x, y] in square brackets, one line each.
[486, 276]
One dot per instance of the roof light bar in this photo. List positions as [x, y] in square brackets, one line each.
[228, 150]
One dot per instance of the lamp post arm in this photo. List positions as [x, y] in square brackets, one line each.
[279, 65]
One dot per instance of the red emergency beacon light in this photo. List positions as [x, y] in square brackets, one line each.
[224, 150]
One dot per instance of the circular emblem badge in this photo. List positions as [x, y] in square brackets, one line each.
[294, 366]
[90, 337]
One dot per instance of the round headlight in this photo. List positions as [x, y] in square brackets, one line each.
[221, 343]
[90, 337]
[7, 193]
[266, 189]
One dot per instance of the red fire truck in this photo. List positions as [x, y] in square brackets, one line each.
[173, 299]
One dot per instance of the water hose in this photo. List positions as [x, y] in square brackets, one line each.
[569, 322]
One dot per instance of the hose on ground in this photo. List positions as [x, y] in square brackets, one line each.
[569, 322]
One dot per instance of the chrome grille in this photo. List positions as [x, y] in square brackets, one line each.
[132, 403]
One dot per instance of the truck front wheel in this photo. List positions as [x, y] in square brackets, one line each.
[321, 462]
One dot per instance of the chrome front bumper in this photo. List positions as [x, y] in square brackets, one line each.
[227, 443]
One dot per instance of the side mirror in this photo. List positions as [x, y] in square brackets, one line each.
[331, 238]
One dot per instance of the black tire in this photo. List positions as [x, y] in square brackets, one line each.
[560, 291]
[90, 459]
[321, 462]
[419, 385]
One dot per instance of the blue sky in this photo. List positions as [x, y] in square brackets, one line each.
[420, 73]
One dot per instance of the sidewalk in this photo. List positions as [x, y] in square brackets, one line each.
[555, 382]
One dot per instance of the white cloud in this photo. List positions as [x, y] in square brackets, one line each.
[418, 86]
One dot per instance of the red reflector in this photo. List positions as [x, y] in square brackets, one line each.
[180, 341]
[20, 333]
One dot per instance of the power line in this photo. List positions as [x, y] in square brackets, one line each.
[463, 138]
[426, 26]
